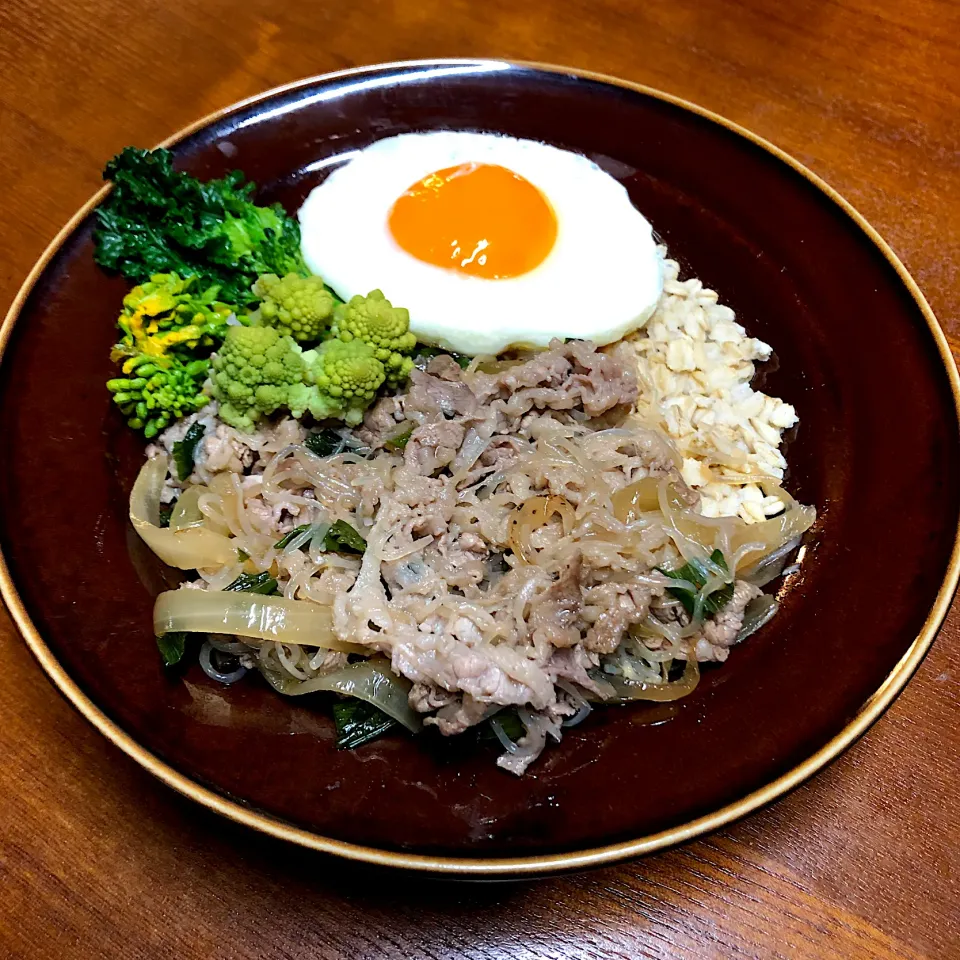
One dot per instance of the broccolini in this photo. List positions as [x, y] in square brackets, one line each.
[167, 314]
[157, 392]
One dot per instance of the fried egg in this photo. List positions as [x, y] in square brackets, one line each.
[490, 242]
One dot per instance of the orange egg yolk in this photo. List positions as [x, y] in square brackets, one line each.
[477, 218]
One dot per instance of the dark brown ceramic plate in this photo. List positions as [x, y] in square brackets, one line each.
[860, 355]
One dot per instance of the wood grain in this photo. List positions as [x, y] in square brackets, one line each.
[98, 860]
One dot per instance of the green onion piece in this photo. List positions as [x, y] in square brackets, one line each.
[261, 583]
[696, 573]
[184, 451]
[171, 646]
[326, 443]
[342, 538]
[296, 531]
[166, 509]
[510, 724]
[399, 441]
[359, 722]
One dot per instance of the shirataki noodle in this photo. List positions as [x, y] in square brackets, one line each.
[531, 545]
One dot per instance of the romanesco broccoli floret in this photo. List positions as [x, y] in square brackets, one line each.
[158, 391]
[299, 307]
[344, 379]
[257, 371]
[169, 314]
[374, 320]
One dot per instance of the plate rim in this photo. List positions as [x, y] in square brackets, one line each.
[500, 867]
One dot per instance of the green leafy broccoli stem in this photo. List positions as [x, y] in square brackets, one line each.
[156, 393]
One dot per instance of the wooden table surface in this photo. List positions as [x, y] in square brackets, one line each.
[99, 860]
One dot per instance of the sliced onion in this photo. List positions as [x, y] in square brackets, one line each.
[775, 532]
[773, 565]
[299, 622]
[697, 536]
[491, 364]
[532, 515]
[759, 612]
[192, 548]
[635, 499]
[370, 680]
[660, 692]
[186, 511]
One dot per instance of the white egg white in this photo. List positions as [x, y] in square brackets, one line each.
[601, 280]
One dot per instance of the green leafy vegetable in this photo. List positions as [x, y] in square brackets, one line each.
[295, 532]
[342, 538]
[359, 722]
[511, 724]
[325, 443]
[242, 555]
[171, 646]
[261, 583]
[696, 573]
[166, 510]
[159, 220]
[399, 441]
[184, 451]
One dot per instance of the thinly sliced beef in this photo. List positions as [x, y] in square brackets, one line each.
[445, 367]
[720, 633]
[426, 697]
[556, 612]
[614, 607]
[433, 445]
[572, 665]
[459, 715]
[440, 591]
[432, 398]
[382, 421]
[565, 376]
